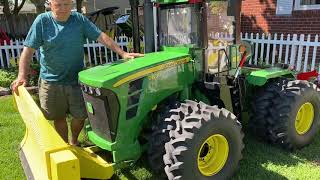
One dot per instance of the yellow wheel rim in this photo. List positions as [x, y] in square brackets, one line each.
[213, 155]
[304, 118]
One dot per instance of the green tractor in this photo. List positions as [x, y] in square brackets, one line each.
[183, 106]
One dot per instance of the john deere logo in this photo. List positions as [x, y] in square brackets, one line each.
[89, 107]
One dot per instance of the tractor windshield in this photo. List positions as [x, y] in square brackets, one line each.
[180, 25]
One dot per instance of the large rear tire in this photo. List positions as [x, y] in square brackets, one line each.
[205, 143]
[286, 113]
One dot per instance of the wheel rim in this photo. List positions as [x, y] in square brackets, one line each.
[213, 155]
[304, 118]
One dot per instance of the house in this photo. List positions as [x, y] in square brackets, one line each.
[20, 23]
[300, 17]
[27, 8]
[98, 11]
[281, 16]
[94, 5]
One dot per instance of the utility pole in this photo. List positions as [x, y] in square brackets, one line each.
[135, 25]
[148, 26]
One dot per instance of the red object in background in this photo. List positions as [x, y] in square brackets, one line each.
[307, 75]
[4, 37]
[157, 5]
[194, 1]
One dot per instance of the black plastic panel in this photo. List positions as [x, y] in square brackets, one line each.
[135, 85]
[104, 119]
[132, 112]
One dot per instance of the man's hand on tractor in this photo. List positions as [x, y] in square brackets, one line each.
[107, 41]
[18, 82]
[128, 56]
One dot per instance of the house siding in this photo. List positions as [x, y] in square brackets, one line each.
[260, 17]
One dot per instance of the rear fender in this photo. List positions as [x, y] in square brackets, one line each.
[260, 77]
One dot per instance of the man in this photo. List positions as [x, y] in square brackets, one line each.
[60, 35]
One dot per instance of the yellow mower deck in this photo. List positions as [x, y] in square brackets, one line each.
[44, 155]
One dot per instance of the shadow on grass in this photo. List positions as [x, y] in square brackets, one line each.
[137, 171]
[311, 152]
[256, 155]
[259, 154]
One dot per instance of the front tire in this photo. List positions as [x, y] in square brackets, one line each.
[205, 143]
[158, 138]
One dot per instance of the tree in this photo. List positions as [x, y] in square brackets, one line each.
[79, 5]
[40, 5]
[11, 9]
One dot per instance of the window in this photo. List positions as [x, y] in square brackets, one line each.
[140, 10]
[307, 4]
[180, 25]
[127, 10]
[284, 7]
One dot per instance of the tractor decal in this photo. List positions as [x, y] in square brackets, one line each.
[151, 70]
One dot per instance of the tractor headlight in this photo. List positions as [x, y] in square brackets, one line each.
[98, 92]
[84, 88]
[91, 90]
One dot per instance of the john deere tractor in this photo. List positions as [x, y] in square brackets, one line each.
[183, 104]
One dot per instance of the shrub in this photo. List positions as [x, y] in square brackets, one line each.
[34, 74]
[7, 76]
[10, 74]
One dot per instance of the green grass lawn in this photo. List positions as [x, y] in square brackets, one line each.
[261, 160]
[11, 133]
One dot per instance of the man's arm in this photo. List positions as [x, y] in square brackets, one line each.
[24, 64]
[107, 41]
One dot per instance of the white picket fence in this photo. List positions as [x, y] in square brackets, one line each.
[95, 53]
[300, 53]
[268, 49]
[221, 35]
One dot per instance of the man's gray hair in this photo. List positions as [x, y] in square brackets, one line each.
[49, 1]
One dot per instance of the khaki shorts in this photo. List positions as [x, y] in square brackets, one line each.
[58, 100]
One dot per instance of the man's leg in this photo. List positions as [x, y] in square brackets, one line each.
[61, 127]
[54, 106]
[77, 110]
[76, 127]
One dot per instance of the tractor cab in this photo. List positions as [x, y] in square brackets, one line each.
[206, 28]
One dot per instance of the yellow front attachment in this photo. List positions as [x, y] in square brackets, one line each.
[304, 118]
[44, 155]
[213, 155]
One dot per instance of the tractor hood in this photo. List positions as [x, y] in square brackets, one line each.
[114, 74]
